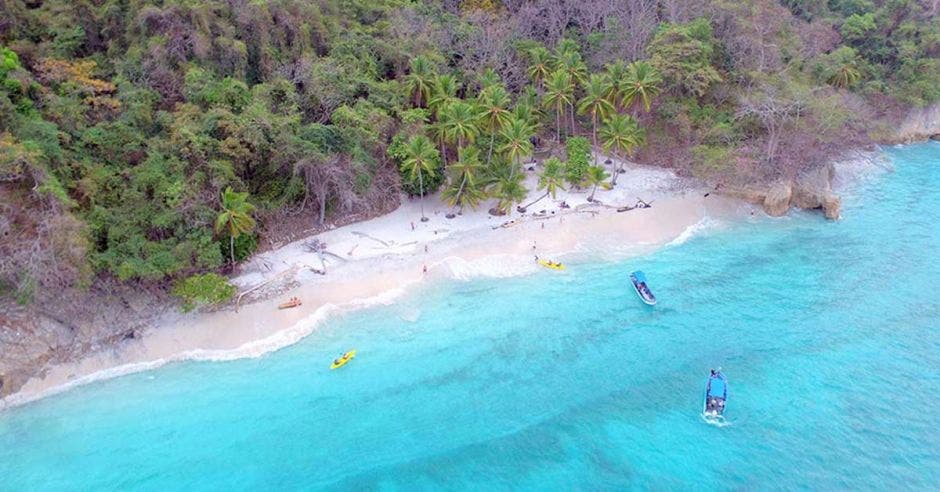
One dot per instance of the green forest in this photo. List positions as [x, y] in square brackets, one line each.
[153, 144]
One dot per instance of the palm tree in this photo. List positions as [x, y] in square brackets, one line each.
[596, 102]
[551, 179]
[464, 186]
[559, 94]
[845, 76]
[616, 73]
[234, 216]
[622, 133]
[494, 115]
[439, 130]
[461, 124]
[419, 79]
[642, 82]
[572, 63]
[420, 159]
[566, 45]
[509, 190]
[488, 78]
[595, 177]
[518, 135]
[540, 67]
[443, 92]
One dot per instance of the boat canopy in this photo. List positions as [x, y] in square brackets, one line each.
[717, 387]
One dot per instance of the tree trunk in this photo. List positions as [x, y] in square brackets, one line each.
[457, 201]
[489, 155]
[594, 133]
[591, 198]
[533, 202]
[558, 123]
[322, 209]
[421, 186]
[574, 130]
[613, 182]
[231, 248]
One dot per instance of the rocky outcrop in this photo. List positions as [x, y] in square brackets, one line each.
[920, 124]
[776, 201]
[811, 190]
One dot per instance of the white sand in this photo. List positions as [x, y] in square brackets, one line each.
[383, 256]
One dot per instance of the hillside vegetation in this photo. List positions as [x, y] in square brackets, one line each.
[145, 142]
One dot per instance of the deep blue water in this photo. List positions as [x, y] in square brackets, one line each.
[828, 333]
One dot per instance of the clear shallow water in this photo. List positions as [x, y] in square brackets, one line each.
[828, 333]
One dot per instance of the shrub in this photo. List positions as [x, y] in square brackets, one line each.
[199, 290]
[245, 245]
[579, 156]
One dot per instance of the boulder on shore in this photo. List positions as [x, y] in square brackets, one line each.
[777, 199]
[811, 190]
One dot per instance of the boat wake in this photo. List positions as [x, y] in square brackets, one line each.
[715, 420]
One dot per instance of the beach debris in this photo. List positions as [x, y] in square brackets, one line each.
[292, 303]
[642, 204]
[350, 252]
[362, 234]
[314, 245]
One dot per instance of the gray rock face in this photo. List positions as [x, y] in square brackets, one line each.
[813, 190]
[777, 200]
[920, 124]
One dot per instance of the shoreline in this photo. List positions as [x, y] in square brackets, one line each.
[474, 245]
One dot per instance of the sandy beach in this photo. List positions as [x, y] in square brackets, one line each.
[377, 260]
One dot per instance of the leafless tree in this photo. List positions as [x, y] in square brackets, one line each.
[328, 179]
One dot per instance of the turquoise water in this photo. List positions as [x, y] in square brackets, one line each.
[828, 333]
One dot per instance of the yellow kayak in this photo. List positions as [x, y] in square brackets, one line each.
[343, 360]
[552, 264]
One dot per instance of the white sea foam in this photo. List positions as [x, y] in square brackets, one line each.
[253, 349]
[704, 224]
[715, 420]
[492, 266]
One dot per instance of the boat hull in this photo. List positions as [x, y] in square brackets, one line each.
[342, 361]
[716, 395]
[641, 289]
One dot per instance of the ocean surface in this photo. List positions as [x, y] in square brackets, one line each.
[829, 333]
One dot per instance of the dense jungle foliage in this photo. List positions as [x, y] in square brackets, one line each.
[149, 141]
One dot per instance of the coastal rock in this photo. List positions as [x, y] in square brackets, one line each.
[920, 124]
[813, 190]
[777, 199]
[832, 207]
